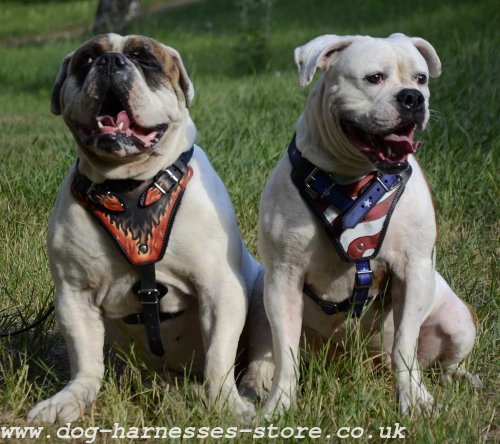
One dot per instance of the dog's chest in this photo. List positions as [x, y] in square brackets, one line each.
[89, 259]
[116, 298]
[333, 280]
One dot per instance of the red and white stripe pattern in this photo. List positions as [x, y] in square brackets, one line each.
[359, 242]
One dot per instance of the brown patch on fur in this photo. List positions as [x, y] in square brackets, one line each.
[170, 74]
[172, 67]
[472, 314]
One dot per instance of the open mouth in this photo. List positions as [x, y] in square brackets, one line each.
[388, 151]
[114, 126]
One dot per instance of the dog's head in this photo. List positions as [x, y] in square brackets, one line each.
[121, 96]
[375, 92]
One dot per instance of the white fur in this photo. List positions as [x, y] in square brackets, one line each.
[207, 269]
[295, 248]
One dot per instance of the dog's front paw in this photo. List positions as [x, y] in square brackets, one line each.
[65, 406]
[242, 410]
[69, 404]
[277, 404]
[414, 398]
[248, 414]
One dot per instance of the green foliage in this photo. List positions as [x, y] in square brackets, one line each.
[245, 123]
[255, 33]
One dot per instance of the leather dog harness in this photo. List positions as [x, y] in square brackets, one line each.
[355, 217]
[139, 215]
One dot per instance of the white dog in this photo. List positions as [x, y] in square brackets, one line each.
[324, 212]
[126, 101]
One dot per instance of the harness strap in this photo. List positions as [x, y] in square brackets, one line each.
[315, 182]
[360, 294]
[363, 204]
[149, 294]
[362, 283]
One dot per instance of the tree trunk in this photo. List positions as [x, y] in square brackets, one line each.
[113, 15]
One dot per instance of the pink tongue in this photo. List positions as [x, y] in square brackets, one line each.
[123, 117]
[122, 125]
[401, 144]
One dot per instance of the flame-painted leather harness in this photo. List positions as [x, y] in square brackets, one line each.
[138, 215]
[355, 217]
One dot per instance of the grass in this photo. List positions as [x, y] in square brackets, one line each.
[245, 123]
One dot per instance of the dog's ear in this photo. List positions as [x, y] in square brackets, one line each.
[55, 104]
[428, 53]
[184, 80]
[317, 53]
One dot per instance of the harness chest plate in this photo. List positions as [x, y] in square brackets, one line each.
[355, 216]
[138, 215]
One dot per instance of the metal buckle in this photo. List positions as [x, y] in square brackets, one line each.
[155, 184]
[310, 178]
[171, 176]
[384, 186]
[90, 193]
[148, 296]
[359, 274]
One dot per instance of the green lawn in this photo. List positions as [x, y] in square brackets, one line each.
[245, 120]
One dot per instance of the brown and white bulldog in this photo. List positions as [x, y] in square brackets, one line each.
[126, 100]
[359, 123]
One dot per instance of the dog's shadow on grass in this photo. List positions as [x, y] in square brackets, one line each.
[37, 359]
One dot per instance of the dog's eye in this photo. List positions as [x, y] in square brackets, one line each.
[85, 60]
[144, 59]
[421, 79]
[375, 78]
[84, 64]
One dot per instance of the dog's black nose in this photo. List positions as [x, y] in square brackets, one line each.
[411, 99]
[112, 60]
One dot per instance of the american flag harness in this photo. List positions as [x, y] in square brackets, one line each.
[355, 217]
[139, 215]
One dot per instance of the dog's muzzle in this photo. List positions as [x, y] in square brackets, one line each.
[113, 126]
[389, 149]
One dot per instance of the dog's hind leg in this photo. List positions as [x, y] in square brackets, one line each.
[448, 334]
